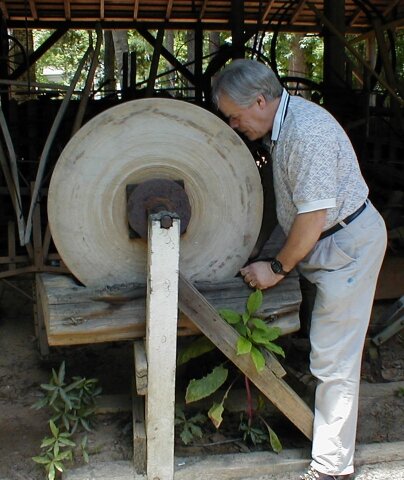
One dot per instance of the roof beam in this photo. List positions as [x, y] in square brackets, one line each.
[32, 7]
[203, 9]
[68, 13]
[267, 10]
[102, 9]
[3, 8]
[298, 11]
[169, 9]
[135, 9]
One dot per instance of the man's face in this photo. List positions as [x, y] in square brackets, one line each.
[251, 121]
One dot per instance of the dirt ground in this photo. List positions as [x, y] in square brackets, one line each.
[22, 370]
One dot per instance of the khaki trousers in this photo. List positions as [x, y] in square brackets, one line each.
[344, 267]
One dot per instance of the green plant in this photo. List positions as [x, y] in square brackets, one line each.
[255, 336]
[189, 427]
[72, 405]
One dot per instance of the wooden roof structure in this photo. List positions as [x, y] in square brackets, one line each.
[290, 15]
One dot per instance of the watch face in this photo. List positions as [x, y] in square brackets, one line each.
[276, 266]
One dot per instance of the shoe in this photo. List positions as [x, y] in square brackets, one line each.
[313, 474]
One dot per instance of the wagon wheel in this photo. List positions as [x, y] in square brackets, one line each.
[16, 54]
[303, 87]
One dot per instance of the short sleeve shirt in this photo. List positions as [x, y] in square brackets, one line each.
[314, 164]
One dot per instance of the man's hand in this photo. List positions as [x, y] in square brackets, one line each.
[260, 275]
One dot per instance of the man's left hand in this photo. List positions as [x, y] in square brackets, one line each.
[260, 275]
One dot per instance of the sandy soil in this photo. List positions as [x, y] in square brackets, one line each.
[22, 371]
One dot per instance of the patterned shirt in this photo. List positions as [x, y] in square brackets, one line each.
[314, 164]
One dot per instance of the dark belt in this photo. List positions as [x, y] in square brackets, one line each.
[344, 222]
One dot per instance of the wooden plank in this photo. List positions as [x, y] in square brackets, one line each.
[75, 314]
[39, 322]
[11, 244]
[139, 435]
[140, 367]
[203, 314]
[163, 252]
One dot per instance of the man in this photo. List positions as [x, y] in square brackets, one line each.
[334, 236]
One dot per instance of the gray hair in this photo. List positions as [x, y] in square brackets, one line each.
[244, 80]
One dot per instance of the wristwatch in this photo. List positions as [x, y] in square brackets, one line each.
[277, 267]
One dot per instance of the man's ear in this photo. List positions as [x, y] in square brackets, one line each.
[261, 101]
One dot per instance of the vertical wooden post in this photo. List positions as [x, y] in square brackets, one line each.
[161, 346]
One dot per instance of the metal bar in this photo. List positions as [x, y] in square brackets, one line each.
[14, 175]
[167, 55]
[48, 144]
[89, 82]
[155, 62]
[41, 50]
[11, 285]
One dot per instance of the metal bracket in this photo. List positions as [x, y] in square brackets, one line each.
[395, 320]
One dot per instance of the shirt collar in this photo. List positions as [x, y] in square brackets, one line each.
[280, 115]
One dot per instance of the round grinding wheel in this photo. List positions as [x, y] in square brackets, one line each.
[139, 141]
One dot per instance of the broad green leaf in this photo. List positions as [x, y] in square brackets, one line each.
[83, 442]
[196, 430]
[274, 441]
[76, 384]
[245, 316]
[205, 386]
[272, 347]
[195, 349]
[259, 323]
[52, 472]
[54, 428]
[85, 456]
[243, 346]
[186, 435]
[41, 460]
[65, 398]
[47, 442]
[254, 301]
[40, 403]
[230, 316]
[198, 418]
[241, 329]
[67, 442]
[258, 359]
[215, 414]
[58, 466]
[48, 387]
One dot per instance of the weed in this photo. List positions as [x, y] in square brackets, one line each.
[72, 405]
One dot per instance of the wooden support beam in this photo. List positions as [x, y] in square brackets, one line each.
[161, 345]
[76, 315]
[201, 312]
[139, 435]
[140, 359]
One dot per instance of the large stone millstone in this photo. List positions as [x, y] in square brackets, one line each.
[143, 140]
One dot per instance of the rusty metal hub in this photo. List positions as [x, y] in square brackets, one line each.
[154, 196]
